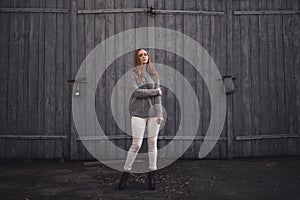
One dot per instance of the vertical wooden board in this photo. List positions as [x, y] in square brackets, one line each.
[80, 55]
[245, 69]
[40, 78]
[4, 69]
[141, 18]
[254, 55]
[272, 70]
[237, 125]
[59, 83]
[255, 87]
[21, 73]
[110, 74]
[89, 32]
[263, 66]
[33, 69]
[25, 61]
[237, 63]
[169, 98]
[41, 71]
[221, 47]
[296, 58]
[159, 57]
[229, 70]
[13, 73]
[288, 26]
[245, 74]
[179, 67]
[189, 28]
[129, 23]
[100, 100]
[120, 71]
[67, 89]
[200, 84]
[280, 79]
[216, 32]
[211, 81]
[50, 77]
[206, 106]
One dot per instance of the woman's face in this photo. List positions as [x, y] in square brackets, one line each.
[143, 55]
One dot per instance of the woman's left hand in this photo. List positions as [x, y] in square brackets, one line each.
[160, 120]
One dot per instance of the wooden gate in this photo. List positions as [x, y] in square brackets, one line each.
[34, 68]
[43, 43]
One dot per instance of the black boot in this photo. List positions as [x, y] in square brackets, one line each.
[123, 181]
[151, 180]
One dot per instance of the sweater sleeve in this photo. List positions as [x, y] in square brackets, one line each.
[157, 101]
[139, 92]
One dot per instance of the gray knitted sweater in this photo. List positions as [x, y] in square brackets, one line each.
[145, 100]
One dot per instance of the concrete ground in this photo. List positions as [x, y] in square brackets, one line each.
[254, 178]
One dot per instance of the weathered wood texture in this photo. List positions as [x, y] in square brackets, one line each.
[266, 64]
[34, 67]
[44, 42]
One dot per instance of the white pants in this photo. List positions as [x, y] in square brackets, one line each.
[138, 126]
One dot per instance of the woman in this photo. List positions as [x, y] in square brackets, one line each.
[146, 111]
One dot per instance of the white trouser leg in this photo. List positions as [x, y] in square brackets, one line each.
[138, 128]
[153, 129]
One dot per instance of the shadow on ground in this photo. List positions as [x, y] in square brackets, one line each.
[255, 178]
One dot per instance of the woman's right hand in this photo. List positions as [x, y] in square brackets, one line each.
[160, 91]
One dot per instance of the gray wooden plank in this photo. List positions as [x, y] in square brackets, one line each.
[221, 26]
[272, 70]
[4, 69]
[33, 69]
[213, 55]
[296, 58]
[50, 77]
[264, 76]
[110, 74]
[100, 30]
[229, 70]
[60, 80]
[59, 71]
[129, 23]
[67, 94]
[41, 79]
[255, 87]
[4, 72]
[281, 109]
[169, 99]
[12, 107]
[119, 72]
[189, 28]
[245, 75]
[179, 66]
[72, 72]
[254, 54]
[23, 74]
[159, 56]
[13, 73]
[245, 70]
[288, 26]
[200, 84]
[206, 107]
[81, 54]
[89, 34]
[237, 126]
[41, 71]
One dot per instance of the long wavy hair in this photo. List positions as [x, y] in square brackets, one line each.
[140, 68]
